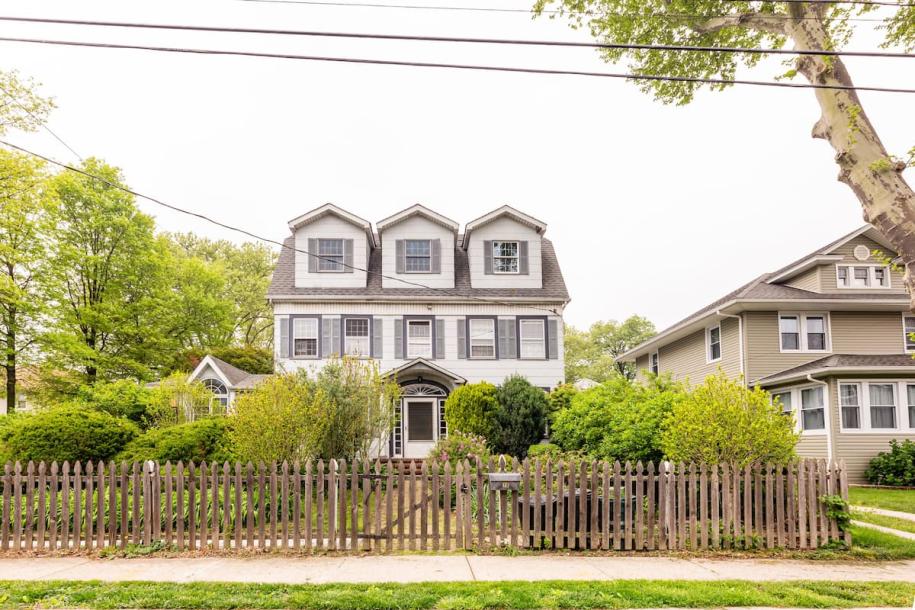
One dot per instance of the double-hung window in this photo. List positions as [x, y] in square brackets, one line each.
[419, 339]
[850, 403]
[784, 400]
[813, 409]
[882, 405]
[305, 337]
[533, 338]
[908, 324]
[505, 257]
[803, 332]
[330, 255]
[655, 363]
[713, 344]
[910, 399]
[418, 256]
[862, 276]
[482, 338]
[356, 337]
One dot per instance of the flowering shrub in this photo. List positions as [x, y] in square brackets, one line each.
[459, 446]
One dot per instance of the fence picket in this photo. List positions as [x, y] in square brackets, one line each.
[627, 508]
[715, 507]
[274, 507]
[842, 473]
[681, 505]
[446, 504]
[525, 504]
[779, 506]
[434, 471]
[297, 505]
[77, 507]
[549, 507]
[790, 508]
[758, 526]
[88, 506]
[617, 507]
[226, 506]
[703, 506]
[693, 508]
[332, 505]
[605, 506]
[309, 505]
[560, 508]
[192, 504]
[7, 495]
[747, 507]
[354, 506]
[662, 506]
[468, 513]
[125, 495]
[341, 504]
[459, 507]
[652, 479]
[538, 490]
[52, 511]
[424, 510]
[822, 490]
[726, 505]
[503, 505]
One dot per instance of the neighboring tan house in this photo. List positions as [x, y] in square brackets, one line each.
[435, 307]
[827, 334]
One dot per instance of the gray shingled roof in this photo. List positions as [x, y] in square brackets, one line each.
[238, 378]
[554, 286]
[838, 361]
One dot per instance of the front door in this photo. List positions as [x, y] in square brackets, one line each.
[420, 426]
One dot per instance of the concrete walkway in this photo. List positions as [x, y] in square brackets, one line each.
[885, 530]
[426, 568]
[886, 513]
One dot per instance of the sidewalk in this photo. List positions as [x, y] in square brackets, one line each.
[441, 568]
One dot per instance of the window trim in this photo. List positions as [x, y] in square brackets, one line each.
[871, 276]
[221, 397]
[369, 336]
[431, 324]
[708, 344]
[654, 362]
[905, 337]
[291, 323]
[797, 407]
[902, 406]
[802, 329]
[516, 257]
[322, 257]
[519, 322]
[407, 257]
[495, 337]
[861, 406]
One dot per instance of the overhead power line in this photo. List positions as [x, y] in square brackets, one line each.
[494, 9]
[175, 208]
[856, 2]
[455, 39]
[44, 125]
[452, 66]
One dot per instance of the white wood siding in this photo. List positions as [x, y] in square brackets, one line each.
[417, 227]
[331, 227]
[505, 229]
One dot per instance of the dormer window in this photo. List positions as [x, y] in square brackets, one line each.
[862, 276]
[418, 255]
[505, 257]
[330, 253]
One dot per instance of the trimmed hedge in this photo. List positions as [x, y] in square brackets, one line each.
[198, 441]
[895, 467]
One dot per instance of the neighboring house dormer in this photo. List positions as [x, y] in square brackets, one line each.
[332, 248]
[504, 250]
[417, 247]
[857, 263]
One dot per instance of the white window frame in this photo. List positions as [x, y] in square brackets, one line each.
[338, 266]
[871, 281]
[900, 391]
[367, 338]
[790, 405]
[905, 333]
[221, 396]
[407, 256]
[516, 258]
[797, 406]
[859, 406]
[423, 344]
[708, 344]
[306, 336]
[802, 328]
[909, 410]
[473, 340]
[654, 362]
[541, 340]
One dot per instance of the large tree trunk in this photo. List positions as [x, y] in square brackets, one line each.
[864, 164]
[10, 366]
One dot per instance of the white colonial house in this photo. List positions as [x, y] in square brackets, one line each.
[434, 306]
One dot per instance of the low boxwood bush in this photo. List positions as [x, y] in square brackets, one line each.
[197, 441]
[893, 467]
[473, 409]
[65, 433]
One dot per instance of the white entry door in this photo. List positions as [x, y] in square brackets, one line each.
[420, 426]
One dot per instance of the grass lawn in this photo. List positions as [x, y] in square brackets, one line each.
[897, 524]
[454, 596]
[871, 544]
[889, 499]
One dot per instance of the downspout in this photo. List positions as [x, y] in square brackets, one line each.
[827, 413]
[739, 340]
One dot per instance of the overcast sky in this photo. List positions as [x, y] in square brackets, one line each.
[653, 209]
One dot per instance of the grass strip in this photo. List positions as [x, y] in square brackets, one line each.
[456, 595]
[889, 499]
[903, 525]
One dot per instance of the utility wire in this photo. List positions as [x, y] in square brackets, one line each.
[493, 9]
[43, 125]
[856, 2]
[115, 185]
[458, 39]
[485, 68]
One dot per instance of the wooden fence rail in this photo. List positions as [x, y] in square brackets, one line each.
[388, 506]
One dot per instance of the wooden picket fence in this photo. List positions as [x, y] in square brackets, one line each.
[399, 505]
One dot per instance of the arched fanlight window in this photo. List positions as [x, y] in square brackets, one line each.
[219, 390]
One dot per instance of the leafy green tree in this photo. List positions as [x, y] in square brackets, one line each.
[872, 173]
[22, 108]
[243, 273]
[473, 409]
[65, 433]
[175, 400]
[522, 416]
[110, 280]
[202, 314]
[121, 398]
[618, 420]
[721, 421]
[248, 358]
[26, 205]
[592, 354]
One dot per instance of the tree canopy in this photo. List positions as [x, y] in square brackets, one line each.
[592, 354]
